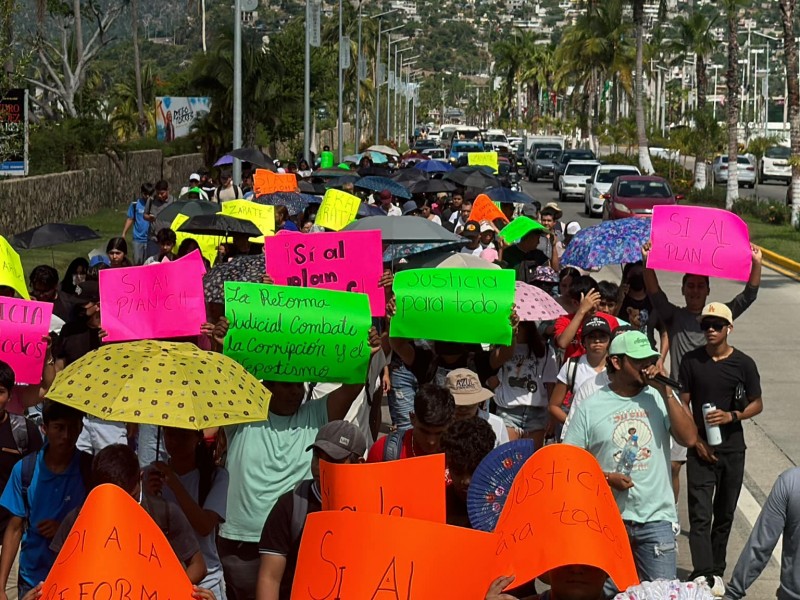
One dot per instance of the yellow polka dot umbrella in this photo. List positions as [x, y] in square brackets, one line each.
[161, 383]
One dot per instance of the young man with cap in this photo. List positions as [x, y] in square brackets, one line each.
[721, 375]
[387, 206]
[472, 231]
[527, 251]
[470, 397]
[633, 403]
[489, 248]
[194, 182]
[337, 442]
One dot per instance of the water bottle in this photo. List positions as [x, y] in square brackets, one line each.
[713, 433]
[628, 456]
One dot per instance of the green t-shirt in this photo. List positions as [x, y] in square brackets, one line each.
[604, 422]
[266, 460]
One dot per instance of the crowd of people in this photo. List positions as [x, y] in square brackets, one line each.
[236, 498]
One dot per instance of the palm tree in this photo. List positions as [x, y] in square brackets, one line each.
[137, 67]
[790, 53]
[509, 56]
[645, 164]
[732, 100]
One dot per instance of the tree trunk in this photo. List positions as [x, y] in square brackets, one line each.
[700, 181]
[645, 164]
[76, 13]
[790, 54]
[137, 67]
[732, 82]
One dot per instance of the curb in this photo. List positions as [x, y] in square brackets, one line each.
[781, 264]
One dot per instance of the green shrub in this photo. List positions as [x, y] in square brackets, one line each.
[772, 212]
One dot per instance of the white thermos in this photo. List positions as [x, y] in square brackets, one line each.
[713, 434]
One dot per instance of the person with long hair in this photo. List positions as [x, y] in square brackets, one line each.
[74, 275]
[117, 251]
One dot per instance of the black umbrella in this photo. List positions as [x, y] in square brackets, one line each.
[474, 177]
[240, 268]
[409, 176]
[375, 170]
[53, 234]
[407, 230]
[219, 224]
[190, 208]
[433, 186]
[311, 187]
[255, 157]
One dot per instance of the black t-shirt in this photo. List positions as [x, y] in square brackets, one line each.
[76, 340]
[512, 256]
[456, 509]
[428, 367]
[10, 455]
[636, 312]
[276, 537]
[714, 382]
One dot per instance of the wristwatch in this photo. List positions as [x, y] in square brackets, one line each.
[734, 416]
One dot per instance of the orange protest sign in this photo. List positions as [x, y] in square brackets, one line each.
[561, 511]
[361, 555]
[483, 209]
[115, 550]
[267, 182]
[383, 488]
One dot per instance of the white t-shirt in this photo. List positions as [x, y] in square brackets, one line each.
[435, 219]
[589, 387]
[474, 251]
[583, 373]
[521, 371]
[498, 426]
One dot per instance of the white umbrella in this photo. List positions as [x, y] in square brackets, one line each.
[384, 150]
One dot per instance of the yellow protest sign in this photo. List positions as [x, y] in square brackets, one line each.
[260, 215]
[487, 159]
[208, 243]
[11, 273]
[338, 208]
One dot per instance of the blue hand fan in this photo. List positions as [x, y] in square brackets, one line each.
[491, 482]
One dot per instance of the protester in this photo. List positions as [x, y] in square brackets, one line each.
[74, 275]
[727, 378]
[488, 243]
[525, 255]
[551, 242]
[427, 212]
[226, 190]
[463, 217]
[610, 299]
[472, 231]
[636, 306]
[410, 209]
[338, 442]
[141, 225]
[117, 252]
[283, 221]
[452, 213]
[43, 282]
[160, 200]
[583, 303]
[194, 183]
[83, 333]
[387, 206]
[166, 239]
[572, 229]
[471, 399]
[303, 170]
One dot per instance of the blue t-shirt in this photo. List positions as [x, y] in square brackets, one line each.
[50, 496]
[141, 227]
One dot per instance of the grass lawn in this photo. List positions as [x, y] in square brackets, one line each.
[108, 223]
[782, 239]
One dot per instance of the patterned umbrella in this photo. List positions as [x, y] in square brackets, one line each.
[608, 243]
[241, 268]
[434, 166]
[295, 203]
[534, 304]
[378, 184]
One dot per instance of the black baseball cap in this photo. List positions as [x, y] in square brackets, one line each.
[340, 439]
[596, 324]
[471, 229]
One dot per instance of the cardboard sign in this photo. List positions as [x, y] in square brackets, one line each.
[208, 243]
[267, 182]
[483, 209]
[383, 488]
[11, 273]
[561, 511]
[487, 159]
[351, 261]
[23, 324]
[338, 209]
[454, 305]
[701, 241]
[115, 550]
[261, 215]
[164, 300]
[360, 555]
[519, 228]
[282, 333]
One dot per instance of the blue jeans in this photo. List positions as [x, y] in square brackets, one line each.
[654, 552]
[401, 396]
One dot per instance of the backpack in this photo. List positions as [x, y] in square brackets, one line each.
[393, 446]
[29, 466]
[572, 370]
[300, 508]
[237, 190]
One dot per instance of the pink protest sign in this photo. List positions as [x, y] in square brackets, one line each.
[348, 261]
[23, 324]
[162, 300]
[701, 241]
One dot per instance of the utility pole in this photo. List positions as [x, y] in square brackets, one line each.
[341, 89]
[237, 88]
[358, 81]
[378, 74]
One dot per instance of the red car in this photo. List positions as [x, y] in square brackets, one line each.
[636, 195]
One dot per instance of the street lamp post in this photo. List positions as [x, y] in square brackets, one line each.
[766, 80]
[339, 128]
[378, 82]
[358, 81]
[390, 74]
[397, 80]
[237, 88]
[407, 63]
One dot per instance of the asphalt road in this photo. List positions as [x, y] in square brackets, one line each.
[765, 332]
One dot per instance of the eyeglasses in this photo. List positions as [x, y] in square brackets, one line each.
[715, 325]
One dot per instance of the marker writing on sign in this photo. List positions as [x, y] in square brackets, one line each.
[154, 297]
[688, 251]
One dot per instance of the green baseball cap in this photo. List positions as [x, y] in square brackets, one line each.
[634, 344]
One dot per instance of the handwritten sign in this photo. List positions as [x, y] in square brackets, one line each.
[483, 209]
[267, 182]
[454, 305]
[350, 261]
[23, 324]
[115, 550]
[383, 488]
[480, 159]
[208, 243]
[560, 511]
[11, 273]
[261, 215]
[393, 558]
[338, 209]
[163, 300]
[519, 228]
[281, 333]
[701, 241]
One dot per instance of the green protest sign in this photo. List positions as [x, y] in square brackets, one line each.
[282, 333]
[454, 305]
[519, 228]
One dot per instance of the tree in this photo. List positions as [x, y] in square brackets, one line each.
[732, 101]
[790, 56]
[509, 55]
[137, 66]
[645, 164]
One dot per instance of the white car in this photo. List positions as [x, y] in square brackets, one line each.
[746, 170]
[599, 184]
[775, 165]
[439, 154]
[572, 183]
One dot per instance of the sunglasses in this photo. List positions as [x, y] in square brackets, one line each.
[715, 325]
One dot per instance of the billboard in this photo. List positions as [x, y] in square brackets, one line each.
[175, 115]
[14, 132]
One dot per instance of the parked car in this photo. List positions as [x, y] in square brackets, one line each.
[439, 154]
[560, 163]
[746, 172]
[636, 195]
[540, 163]
[775, 165]
[598, 185]
[572, 183]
